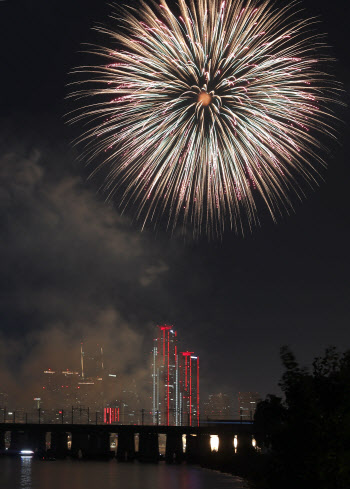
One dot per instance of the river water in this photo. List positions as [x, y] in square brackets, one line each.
[28, 473]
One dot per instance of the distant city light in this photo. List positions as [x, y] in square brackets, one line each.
[26, 452]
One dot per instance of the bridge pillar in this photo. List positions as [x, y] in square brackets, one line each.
[226, 449]
[99, 445]
[2, 441]
[37, 441]
[80, 444]
[126, 446]
[148, 447]
[244, 443]
[59, 446]
[173, 448]
[19, 441]
[192, 449]
[203, 444]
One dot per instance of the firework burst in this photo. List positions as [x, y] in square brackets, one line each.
[203, 115]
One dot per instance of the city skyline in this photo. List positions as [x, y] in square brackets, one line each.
[92, 387]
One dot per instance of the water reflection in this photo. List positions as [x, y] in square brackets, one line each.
[29, 473]
[26, 472]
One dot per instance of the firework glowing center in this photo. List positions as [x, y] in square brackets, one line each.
[204, 98]
[208, 158]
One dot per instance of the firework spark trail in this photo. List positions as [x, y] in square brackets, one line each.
[204, 112]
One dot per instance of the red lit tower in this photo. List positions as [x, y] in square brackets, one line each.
[165, 377]
[189, 389]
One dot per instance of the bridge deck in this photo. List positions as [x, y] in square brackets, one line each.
[213, 428]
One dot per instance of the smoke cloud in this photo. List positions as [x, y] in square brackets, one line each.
[72, 270]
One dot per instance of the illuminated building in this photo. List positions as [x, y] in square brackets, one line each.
[165, 407]
[126, 408]
[3, 404]
[175, 381]
[91, 361]
[51, 389]
[60, 388]
[189, 389]
[130, 406]
[37, 402]
[218, 406]
[247, 402]
[85, 389]
[111, 415]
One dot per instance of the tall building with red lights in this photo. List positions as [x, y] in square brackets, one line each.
[175, 381]
[189, 388]
[165, 376]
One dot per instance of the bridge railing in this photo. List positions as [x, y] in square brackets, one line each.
[85, 415]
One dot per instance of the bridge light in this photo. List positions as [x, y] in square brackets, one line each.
[184, 443]
[214, 443]
[26, 452]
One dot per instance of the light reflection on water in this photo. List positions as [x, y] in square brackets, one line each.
[29, 473]
[26, 472]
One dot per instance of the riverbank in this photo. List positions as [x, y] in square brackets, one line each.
[253, 467]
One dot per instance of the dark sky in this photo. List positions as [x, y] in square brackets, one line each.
[72, 266]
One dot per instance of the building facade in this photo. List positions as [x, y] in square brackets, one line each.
[175, 381]
[165, 377]
[189, 389]
[218, 406]
[247, 402]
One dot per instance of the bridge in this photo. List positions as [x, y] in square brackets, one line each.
[93, 441]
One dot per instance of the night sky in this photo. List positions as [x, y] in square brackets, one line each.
[71, 266]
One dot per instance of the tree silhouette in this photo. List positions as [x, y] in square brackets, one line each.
[307, 435]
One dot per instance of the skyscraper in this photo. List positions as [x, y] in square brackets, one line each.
[87, 388]
[91, 361]
[165, 377]
[218, 406]
[59, 388]
[175, 381]
[189, 388]
[247, 402]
